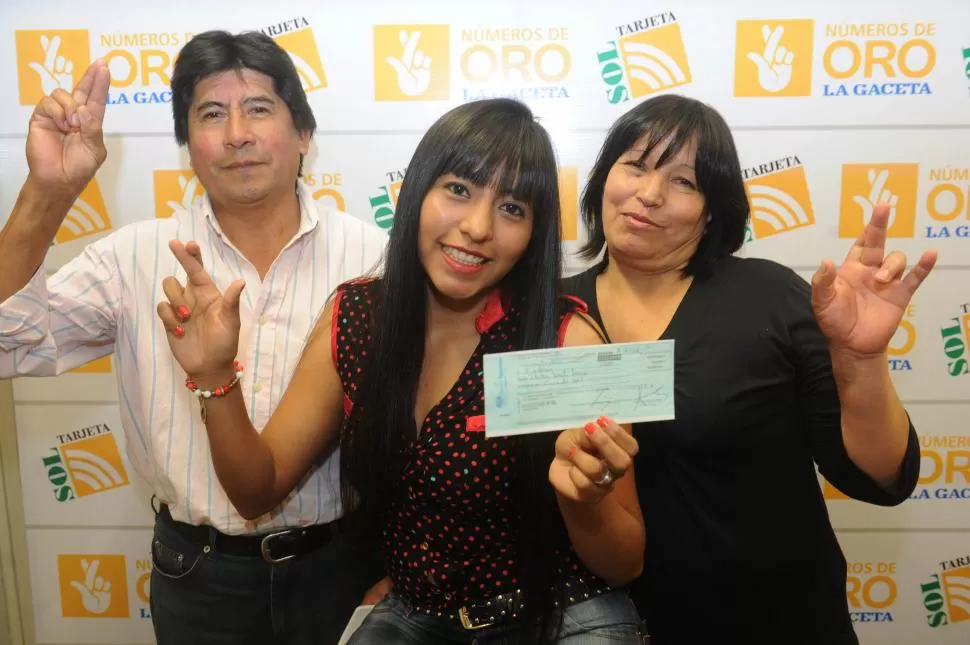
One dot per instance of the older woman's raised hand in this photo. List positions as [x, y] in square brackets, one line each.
[860, 304]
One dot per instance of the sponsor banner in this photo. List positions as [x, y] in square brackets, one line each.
[91, 585]
[908, 587]
[74, 468]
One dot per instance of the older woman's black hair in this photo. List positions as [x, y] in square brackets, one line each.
[212, 52]
[717, 168]
[493, 142]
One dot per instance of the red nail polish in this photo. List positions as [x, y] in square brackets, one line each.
[590, 428]
[572, 451]
[183, 312]
[603, 422]
[179, 331]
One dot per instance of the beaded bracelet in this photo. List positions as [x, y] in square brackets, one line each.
[219, 392]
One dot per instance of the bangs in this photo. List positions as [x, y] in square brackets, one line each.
[677, 127]
[509, 155]
[670, 122]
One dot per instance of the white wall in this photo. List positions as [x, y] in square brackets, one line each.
[829, 145]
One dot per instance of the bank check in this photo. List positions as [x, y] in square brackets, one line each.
[554, 389]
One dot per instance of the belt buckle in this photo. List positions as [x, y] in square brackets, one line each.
[467, 623]
[264, 548]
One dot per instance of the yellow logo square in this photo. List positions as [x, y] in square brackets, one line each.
[831, 492]
[411, 63]
[864, 185]
[302, 48]
[93, 586]
[97, 366]
[94, 464]
[395, 191]
[87, 216]
[175, 190]
[956, 585]
[655, 60]
[773, 58]
[49, 59]
[569, 203]
[780, 202]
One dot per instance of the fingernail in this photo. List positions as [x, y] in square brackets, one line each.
[603, 422]
[75, 120]
[590, 428]
[183, 312]
[572, 451]
[882, 275]
[179, 331]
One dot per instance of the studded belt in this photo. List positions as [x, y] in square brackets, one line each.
[502, 608]
[491, 612]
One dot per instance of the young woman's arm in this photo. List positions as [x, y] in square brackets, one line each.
[604, 522]
[257, 469]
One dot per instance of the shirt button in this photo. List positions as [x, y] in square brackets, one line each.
[262, 320]
[425, 546]
[257, 386]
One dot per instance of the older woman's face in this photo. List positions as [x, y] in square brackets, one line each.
[654, 217]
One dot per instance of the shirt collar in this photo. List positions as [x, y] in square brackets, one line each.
[309, 219]
[496, 307]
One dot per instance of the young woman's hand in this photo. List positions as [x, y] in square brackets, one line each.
[588, 461]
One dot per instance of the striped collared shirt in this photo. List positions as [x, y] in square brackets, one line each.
[104, 301]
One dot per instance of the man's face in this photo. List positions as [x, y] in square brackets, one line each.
[242, 142]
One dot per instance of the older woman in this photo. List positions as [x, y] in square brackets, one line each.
[773, 376]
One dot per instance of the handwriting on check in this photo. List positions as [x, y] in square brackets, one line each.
[584, 388]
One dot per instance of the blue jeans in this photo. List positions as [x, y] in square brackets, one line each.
[202, 597]
[609, 618]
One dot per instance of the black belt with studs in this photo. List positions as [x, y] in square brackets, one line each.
[494, 611]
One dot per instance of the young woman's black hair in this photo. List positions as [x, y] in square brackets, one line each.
[489, 142]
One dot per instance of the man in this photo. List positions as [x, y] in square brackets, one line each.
[290, 576]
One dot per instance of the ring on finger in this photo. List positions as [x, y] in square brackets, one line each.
[606, 479]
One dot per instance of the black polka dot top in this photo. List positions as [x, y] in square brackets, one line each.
[451, 538]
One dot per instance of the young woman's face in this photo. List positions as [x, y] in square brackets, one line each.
[654, 216]
[470, 236]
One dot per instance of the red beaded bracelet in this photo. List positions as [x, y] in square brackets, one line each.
[219, 392]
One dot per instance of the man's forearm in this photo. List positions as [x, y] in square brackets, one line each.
[29, 232]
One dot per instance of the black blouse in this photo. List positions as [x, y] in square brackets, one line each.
[452, 538]
[739, 544]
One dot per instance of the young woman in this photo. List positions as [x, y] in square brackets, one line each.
[773, 377]
[478, 545]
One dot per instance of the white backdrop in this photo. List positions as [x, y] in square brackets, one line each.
[831, 103]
